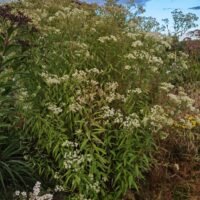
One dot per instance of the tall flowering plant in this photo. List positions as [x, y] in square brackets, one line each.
[91, 117]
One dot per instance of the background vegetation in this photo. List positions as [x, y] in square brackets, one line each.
[96, 103]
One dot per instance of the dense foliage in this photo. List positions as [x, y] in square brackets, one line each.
[91, 96]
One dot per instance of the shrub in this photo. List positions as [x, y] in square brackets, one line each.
[92, 107]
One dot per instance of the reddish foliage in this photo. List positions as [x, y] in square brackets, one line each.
[18, 18]
[192, 47]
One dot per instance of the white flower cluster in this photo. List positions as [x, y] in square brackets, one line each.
[173, 113]
[59, 188]
[73, 157]
[184, 64]
[23, 195]
[158, 118]
[108, 112]
[111, 93]
[75, 12]
[112, 86]
[35, 195]
[156, 60]
[75, 107]
[60, 13]
[88, 90]
[182, 99]
[117, 117]
[54, 109]
[76, 45]
[152, 44]
[183, 55]
[131, 121]
[153, 36]
[107, 38]
[94, 71]
[56, 175]
[190, 122]
[130, 56]
[53, 79]
[21, 97]
[127, 67]
[186, 123]
[22, 94]
[171, 56]
[133, 36]
[68, 143]
[166, 44]
[138, 55]
[132, 24]
[166, 86]
[136, 91]
[95, 187]
[137, 43]
[68, 12]
[79, 75]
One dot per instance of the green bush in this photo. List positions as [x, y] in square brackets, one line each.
[95, 81]
[90, 97]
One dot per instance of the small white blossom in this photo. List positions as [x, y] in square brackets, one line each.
[55, 110]
[17, 193]
[166, 86]
[127, 67]
[137, 43]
